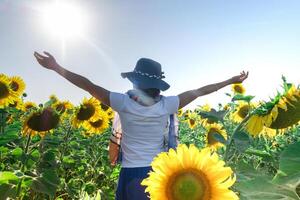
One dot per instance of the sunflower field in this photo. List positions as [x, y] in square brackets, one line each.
[244, 149]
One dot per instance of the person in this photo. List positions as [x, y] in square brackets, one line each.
[143, 115]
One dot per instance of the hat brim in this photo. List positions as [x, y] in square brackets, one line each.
[144, 82]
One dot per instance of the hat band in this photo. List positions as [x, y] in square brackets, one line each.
[149, 75]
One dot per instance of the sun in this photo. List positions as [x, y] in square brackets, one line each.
[64, 20]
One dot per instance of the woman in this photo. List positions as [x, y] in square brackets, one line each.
[143, 113]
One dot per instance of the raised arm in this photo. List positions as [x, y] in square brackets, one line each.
[187, 97]
[98, 92]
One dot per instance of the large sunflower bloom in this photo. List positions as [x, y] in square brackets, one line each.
[210, 139]
[41, 122]
[17, 85]
[97, 125]
[7, 95]
[279, 114]
[88, 110]
[238, 88]
[189, 174]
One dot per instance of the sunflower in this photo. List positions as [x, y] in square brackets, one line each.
[277, 115]
[17, 103]
[27, 106]
[17, 85]
[210, 139]
[186, 114]
[62, 106]
[179, 112]
[238, 88]
[193, 120]
[189, 174]
[109, 111]
[41, 122]
[241, 111]
[226, 107]
[205, 108]
[97, 125]
[104, 106]
[88, 110]
[53, 98]
[7, 95]
[192, 123]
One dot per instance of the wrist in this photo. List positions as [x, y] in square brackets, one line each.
[57, 68]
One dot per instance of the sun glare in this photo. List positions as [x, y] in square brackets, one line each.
[64, 20]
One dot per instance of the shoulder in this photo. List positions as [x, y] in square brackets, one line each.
[117, 100]
[171, 103]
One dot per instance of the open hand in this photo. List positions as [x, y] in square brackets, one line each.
[240, 78]
[48, 61]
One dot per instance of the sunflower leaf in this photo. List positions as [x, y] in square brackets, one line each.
[241, 141]
[7, 177]
[47, 183]
[213, 115]
[289, 162]
[7, 190]
[218, 137]
[240, 97]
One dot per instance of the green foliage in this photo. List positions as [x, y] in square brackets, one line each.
[62, 165]
[253, 185]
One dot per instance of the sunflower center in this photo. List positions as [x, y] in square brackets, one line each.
[44, 121]
[14, 104]
[104, 107]
[4, 92]
[210, 138]
[14, 86]
[192, 122]
[243, 111]
[27, 107]
[97, 124]
[86, 112]
[238, 89]
[188, 185]
[61, 108]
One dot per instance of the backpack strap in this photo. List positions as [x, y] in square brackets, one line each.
[172, 138]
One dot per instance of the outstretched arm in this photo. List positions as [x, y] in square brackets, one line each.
[189, 96]
[98, 92]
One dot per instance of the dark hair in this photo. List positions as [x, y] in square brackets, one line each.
[152, 92]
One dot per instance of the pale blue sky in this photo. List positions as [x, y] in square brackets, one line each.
[197, 43]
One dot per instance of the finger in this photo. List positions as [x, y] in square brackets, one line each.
[39, 55]
[48, 54]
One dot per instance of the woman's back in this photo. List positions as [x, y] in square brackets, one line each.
[143, 127]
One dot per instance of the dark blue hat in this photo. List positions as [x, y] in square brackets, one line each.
[147, 74]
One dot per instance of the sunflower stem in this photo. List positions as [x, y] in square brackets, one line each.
[23, 165]
[2, 121]
[234, 133]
